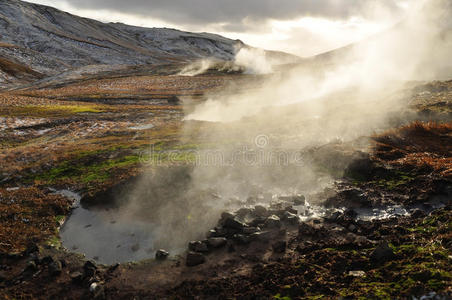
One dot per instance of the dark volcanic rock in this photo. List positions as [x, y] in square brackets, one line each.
[77, 277]
[272, 222]
[161, 254]
[194, 259]
[260, 211]
[55, 268]
[382, 253]
[89, 269]
[198, 246]
[279, 247]
[241, 239]
[233, 223]
[417, 213]
[250, 230]
[304, 229]
[257, 221]
[217, 242]
[263, 236]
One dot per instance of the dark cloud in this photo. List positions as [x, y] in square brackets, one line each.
[233, 12]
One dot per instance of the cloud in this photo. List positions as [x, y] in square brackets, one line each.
[234, 13]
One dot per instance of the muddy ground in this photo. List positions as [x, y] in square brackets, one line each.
[90, 135]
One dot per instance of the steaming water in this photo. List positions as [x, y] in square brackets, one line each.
[108, 237]
[105, 237]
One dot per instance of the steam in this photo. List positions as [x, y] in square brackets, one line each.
[307, 114]
[247, 61]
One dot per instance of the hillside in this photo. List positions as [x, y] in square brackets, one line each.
[49, 41]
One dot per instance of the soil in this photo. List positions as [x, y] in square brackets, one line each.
[86, 136]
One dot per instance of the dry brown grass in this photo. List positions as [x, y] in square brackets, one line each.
[419, 144]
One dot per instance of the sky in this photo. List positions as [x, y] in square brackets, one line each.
[301, 27]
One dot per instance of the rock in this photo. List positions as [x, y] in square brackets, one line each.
[279, 247]
[31, 248]
[112, 268]
[357, 273]
[382, 253]
[250, 230]
[291, 210]
[243, 212]
[260, 211]
[97, 290]
[198, 246]
[417, 213]
[241, 239]
[76, 277]
[272, 222]
[304, 229]
[55, 268]
[299, 200]
[350, 213]
[194, 259]
[30, 268]
[161, 254]
[293, 220]
[334, 216]
[263, 236]
[233, 223]
[89, 269]
[46, 260]
[226, 215]
[217, 232]
[256, 222]
[217, 242]
[352, 227]
[290, 218]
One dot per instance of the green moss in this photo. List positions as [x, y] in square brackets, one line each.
[49, 110]
[59, 218]
[54, 241]
[278, 296]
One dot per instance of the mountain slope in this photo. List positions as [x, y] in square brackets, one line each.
[50, 41]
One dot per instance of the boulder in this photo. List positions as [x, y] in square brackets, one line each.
[198, 246]
[382, 253]
[55, 268]
[272, 222]
[217, 242]
[89, 269]
[194, 259]
[279, 246]
[257, 222]
[241, 239]
[233, 223]
[263, 236]
[417, 213]
[250, 230]
[76, 277]
[161, 254]
[260, 211]
[97, 290]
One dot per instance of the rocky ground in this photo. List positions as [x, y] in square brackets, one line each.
[89, 136]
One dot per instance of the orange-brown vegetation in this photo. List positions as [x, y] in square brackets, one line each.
[28, 215]
[426, 145]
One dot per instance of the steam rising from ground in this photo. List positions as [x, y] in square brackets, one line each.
[247, 60]
[303, 112]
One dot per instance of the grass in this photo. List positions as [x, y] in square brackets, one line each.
[42, 111]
